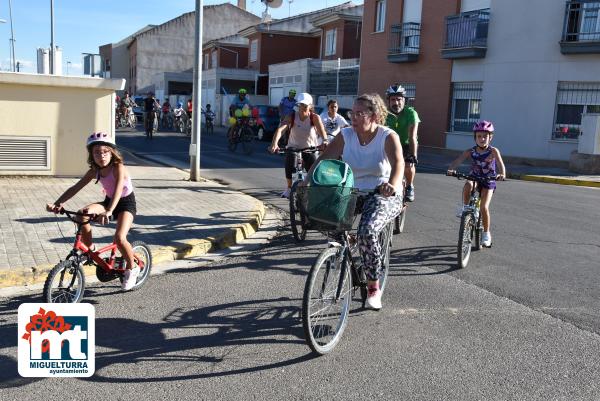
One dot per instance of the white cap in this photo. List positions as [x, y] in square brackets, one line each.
[304, 98]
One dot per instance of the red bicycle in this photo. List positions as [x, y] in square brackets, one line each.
[66, 281]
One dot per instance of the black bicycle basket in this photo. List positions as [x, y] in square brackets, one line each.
[328, 208]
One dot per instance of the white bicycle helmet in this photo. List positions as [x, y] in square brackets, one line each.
[395, 90]
[304, 98]
[101, 138]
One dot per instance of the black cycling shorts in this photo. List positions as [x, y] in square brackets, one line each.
[290, 162]
[125, 204]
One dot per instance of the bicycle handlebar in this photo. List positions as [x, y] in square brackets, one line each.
[472, 177]
[311, 149]
[71, 213]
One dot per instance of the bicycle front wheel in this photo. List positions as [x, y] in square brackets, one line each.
[232, 139]
[465, 237]
[65, 283]
[326, 301]
[297, 218]
[246, 138]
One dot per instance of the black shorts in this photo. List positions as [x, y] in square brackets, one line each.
[126, 204]
[290, 162]
[405, 151]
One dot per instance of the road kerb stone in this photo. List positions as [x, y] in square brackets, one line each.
[24, 276]
[555, 180]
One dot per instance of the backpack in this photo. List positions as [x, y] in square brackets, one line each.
[293, 117]
[331, 197]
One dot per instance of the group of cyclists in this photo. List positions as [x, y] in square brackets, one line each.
[380, 145]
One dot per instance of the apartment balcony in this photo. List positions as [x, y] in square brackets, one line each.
[466, 35]
[581, 29]
[404, 42]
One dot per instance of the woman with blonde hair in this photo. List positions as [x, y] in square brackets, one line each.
[374, 154]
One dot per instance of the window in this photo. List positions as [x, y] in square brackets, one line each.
[107, 64]
[379, 15]
[572, 100]
[590, 21]
[411, 92]
[213, 61]
[205, 64]
[253, 50]
[330, 38]
[466, 105]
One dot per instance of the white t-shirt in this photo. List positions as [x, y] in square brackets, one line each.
[333, 125]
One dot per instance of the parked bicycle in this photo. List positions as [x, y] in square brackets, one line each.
[471, 226]
[242, 133]
[337, 273]
[66, 281]
[297, 217]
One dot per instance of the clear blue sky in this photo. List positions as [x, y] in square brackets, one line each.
[81, 26]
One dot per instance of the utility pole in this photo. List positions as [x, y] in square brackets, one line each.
[51, 37]
[196, 97]
[12, 36]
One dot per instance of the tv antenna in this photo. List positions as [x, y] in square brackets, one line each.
[266, 17]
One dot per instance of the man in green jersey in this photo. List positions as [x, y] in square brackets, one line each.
[405, 121]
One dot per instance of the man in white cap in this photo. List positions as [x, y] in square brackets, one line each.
[306, 130]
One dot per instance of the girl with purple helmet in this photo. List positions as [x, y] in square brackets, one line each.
[486, 162]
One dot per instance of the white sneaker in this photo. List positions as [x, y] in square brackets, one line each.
[487, 239]
[129, 278]
[286, 193]
[374, 298]
[460, 210]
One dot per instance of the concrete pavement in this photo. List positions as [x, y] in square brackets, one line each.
[176, 218]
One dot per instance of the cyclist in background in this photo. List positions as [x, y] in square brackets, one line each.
[332, 121]
[166, 113]
[151, 106]
[306, 130]
[286, 105]
[189, 108]
[483, 165]
[238, 103]
[405, 121]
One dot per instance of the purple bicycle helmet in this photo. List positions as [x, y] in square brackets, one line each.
[483, 125]
[101, 138]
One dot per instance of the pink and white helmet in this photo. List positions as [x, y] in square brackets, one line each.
[483, 126]
[101, 138]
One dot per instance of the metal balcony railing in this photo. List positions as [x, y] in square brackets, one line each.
[581, 29]
[468, 29]
[404, 42]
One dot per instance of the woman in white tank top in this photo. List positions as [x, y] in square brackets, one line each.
[375, 155]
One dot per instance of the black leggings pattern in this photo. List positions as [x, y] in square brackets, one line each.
[377, 211]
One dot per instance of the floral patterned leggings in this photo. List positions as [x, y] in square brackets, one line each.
[377, 212]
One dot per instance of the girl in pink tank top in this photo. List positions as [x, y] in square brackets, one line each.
[106, 166]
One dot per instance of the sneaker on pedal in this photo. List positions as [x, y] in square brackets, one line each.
[410, 193]
[286, 193]
[461, 209]
[374, 297]
[129, 278]
[486, 239]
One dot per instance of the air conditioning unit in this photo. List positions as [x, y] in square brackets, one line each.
[589, 139]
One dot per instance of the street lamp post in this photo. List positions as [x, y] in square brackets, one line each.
[12, 36]
[68, 64]
[196, 97]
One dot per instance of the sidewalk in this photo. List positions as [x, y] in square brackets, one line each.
[176, 218]
[440, 159]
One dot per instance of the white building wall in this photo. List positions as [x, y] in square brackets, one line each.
[279, 77]
[520, 74]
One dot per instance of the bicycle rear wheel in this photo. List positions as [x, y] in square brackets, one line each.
[477, 233]
[143, 258]
[465, 238]
[246, 138]
[385, 241]
[297, 218]
[65, 283]
[324, 314]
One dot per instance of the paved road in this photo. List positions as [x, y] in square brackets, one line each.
[521, 322]
[547, 237]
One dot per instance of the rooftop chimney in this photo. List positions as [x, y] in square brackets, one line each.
[242, 4]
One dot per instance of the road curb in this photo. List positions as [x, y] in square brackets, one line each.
[555, 180]
[25, 276]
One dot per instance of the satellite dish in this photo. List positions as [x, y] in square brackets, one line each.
[272, 3]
